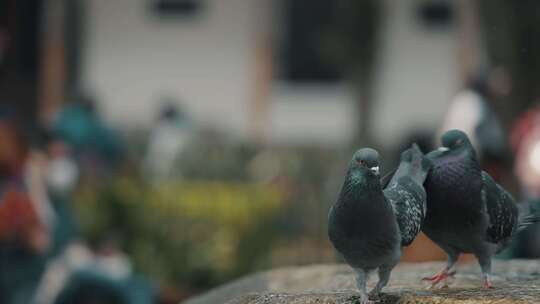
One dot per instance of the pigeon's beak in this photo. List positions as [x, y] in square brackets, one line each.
[375, 170]
[443, 149]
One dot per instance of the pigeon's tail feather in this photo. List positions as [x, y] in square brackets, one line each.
[528, 215]
[414, 164]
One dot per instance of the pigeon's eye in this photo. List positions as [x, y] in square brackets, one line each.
[362, 162]
[459, 142]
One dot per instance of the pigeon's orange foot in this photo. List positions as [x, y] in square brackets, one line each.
[440, 277]
[487, 284]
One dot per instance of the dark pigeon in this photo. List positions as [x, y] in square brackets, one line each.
[368, 225]
[467, 212]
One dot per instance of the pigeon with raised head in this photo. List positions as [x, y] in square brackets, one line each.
[467, 211]
[368, 225]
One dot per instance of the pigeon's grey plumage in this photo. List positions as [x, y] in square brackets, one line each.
[368, 225]
[468, 212]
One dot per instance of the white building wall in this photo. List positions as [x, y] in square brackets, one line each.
[418, 73]
[133, 58]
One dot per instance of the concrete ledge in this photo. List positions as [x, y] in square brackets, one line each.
[516, 281]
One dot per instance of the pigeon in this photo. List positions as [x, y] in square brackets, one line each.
[467, 211]
[370, 222]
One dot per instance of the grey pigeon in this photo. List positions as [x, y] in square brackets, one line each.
[467, 211]
[368, 225]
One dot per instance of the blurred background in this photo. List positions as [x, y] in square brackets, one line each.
[153, 149]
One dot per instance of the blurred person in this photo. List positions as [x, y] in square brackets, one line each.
[471, 112]
[525, 145]
[74, 272]
[81, 275]
[25, 215]
[525, 141]
[91, 288]
[168, 139]
[95, 146]
[62, 170]
[61, 179]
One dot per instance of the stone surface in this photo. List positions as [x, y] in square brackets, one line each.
[516, 281]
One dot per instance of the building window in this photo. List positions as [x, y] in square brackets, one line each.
[176, 8]
[299, 55]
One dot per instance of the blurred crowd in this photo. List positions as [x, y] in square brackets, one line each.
[91, 215]
[42, 255]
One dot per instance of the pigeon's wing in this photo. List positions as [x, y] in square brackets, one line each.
[501, 209]
[409, 202]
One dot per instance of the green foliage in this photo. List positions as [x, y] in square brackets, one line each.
[238, 208]
[190, 234]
